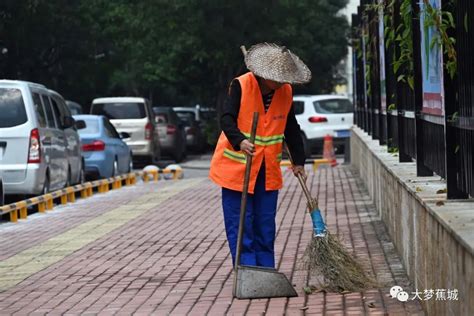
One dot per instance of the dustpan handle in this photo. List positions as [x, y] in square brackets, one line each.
[243, 203]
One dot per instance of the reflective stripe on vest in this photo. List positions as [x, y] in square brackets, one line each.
[241, 157]
[267, 140]
[235, 155]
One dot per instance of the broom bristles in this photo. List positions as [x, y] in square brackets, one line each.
[341, 272]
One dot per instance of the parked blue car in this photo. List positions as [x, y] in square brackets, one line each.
[105, 153]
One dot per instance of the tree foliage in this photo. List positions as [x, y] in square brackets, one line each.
[177, 52]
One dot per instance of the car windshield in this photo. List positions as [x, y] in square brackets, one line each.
[119, 110]
[333, 106]
[92, 126]
[186, 117]
[12, 108]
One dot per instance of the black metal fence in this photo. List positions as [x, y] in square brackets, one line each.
[435, 129]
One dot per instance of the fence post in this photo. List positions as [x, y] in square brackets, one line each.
[452, 106]
[354, 67]
[359, 73]
[452, 143]
[400, 88]
[421, 168]
[375, 74]
[365, 101]
[390, 89]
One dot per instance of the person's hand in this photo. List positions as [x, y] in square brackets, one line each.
[247, 147]
[299, 170]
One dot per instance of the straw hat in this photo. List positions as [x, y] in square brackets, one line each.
[276, 63]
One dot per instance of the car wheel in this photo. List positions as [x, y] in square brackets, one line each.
[68, 181]
[82, 176]
[130, 165]
[306, 146]
[45, 185]
[115, 171]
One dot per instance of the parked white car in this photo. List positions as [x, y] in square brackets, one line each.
[134, 116]
[321, 115]
[39, 145]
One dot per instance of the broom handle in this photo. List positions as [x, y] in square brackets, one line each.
[243, 203]
[311, 201]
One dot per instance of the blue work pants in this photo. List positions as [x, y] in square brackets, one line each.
[259, 235]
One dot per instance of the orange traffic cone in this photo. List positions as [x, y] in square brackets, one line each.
[328, 152]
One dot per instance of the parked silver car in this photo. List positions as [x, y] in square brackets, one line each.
[194, 135]
[134, 116]
[39, 147]
[171, 131]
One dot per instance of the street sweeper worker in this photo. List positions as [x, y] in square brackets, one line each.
[265, 89]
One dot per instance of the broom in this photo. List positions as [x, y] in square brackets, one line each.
[325, 255]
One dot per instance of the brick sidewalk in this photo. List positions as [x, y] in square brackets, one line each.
[161, 249]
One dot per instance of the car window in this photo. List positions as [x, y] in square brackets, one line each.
[161, 118]
[92, 126]
[12, 108]
[110, 129]
[185, 112]
[186, 117]
[63, 109]
[49, 112]
[333, 106]
[108, 132]
[114, 111]
[298, 107]
[57, 113]
[39, 110]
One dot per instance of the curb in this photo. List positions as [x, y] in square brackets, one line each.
[68, 195]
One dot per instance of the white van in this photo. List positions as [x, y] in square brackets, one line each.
[134, 116]
[34, 132]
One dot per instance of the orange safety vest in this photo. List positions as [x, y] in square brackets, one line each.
[228, 165]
